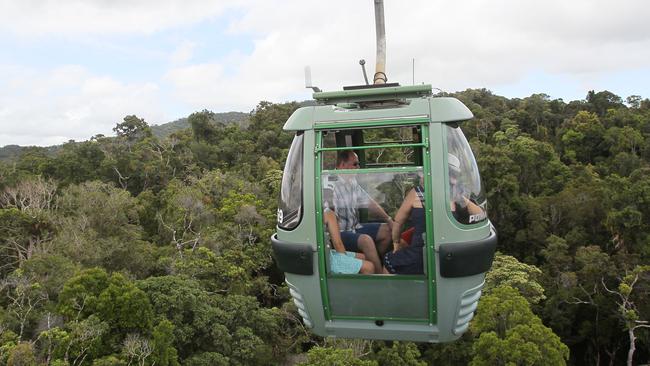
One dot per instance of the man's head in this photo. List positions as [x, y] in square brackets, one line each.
[347, 159]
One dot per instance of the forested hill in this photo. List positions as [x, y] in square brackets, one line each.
[166, 129]
[12, 152]
[149, 250]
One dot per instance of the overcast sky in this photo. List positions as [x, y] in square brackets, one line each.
[71, 69]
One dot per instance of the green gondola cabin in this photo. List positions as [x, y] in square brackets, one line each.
[403, 137]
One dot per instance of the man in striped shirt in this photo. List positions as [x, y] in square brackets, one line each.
[344, 196]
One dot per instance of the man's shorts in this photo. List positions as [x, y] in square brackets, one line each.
[344, 263]
[350, 238]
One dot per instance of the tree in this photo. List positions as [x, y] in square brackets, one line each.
[322, 356]
[22, 355]
[164, 353]
[99, 226]
[26, 219]
[508, 271]
[84, 339]
[400, 353]
[184, 216]
[583, 138]
[53, 342]
[112, 300]
[25, 298]
[132, 129]
[600, 102]
[192, 312]
[511, 334]
[204, 126]
[627, 307]
[136, 348]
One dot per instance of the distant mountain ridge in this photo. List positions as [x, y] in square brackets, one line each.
[12, 152]
[167, 129]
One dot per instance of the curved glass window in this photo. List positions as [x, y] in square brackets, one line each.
[466, 197]
[290, 205]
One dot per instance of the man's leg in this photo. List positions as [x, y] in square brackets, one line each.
[380, 234]
[367, 247]
[358, 242]
[383, 240]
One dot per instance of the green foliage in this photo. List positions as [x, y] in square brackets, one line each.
[208, 359]
[109, 361]
[324, 356]
[233, 326]
[511, 334]
[214, 272]
[22, 355]
[401, 353]
[132, 128]
[164, 353]
[110, 306]
[508, 271]
[51, 271]
[85, 339]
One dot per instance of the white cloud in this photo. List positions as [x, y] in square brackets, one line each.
[69, 103]
[455, 46]
[183, 53]
[74, 17]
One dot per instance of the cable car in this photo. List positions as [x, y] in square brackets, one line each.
[403, 137]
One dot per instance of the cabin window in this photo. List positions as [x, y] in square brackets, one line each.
[290, 207]
[467, 201]
[376, 147]
[366, 174]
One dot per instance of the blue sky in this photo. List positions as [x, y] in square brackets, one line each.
[72, 69]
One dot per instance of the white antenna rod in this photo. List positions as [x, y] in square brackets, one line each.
[380, 68]
[308, 83]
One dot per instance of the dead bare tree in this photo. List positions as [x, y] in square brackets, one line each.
[137, 348]
[184, 238]
[82, 337]
[31, 196]
[35, 199]
[24, 297]
[124, 181]
[627, 309]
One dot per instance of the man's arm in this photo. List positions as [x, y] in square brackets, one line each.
[378, 211]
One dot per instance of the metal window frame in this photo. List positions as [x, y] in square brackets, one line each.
[430, 246]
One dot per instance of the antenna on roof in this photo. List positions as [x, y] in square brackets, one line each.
[308, 83]
[362, 62]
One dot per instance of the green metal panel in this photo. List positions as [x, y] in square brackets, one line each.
[302, 119]
[389, 297]
[322, 268]
[373, 94]
[415, 109]
[447, 109]
[361, 123]
[400, 169]
[430, 263]
[376, 277]
[373, 319]
[366, 147]
[435, 110]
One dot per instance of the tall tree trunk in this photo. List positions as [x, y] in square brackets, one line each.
[630, 352]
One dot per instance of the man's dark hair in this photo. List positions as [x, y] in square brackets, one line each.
[343, 156]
